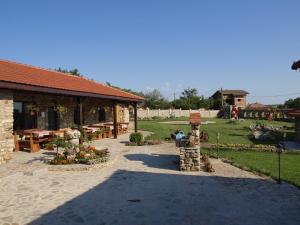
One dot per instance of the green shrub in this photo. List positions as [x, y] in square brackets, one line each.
[136, 138]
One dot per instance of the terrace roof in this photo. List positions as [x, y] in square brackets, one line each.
[25, 77]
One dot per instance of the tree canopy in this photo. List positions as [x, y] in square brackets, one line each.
[292, 103]
[189, 99]
[155, 100]
[126, 90]
[74, 72]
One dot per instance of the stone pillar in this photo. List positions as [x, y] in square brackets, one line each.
[195, 134]
[189, 159]
[115, 109]
[135, 118]
[6, 125]
[126, 114]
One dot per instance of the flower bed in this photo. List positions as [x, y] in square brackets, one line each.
[241, 147]
[84, 155]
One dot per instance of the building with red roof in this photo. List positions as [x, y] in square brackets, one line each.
[37, 98]
[257, 105]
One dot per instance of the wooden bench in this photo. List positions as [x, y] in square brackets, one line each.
[29, 142]
[30, 139]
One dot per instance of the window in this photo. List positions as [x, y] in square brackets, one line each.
[23, 117]
[102, 114]
[19, 117]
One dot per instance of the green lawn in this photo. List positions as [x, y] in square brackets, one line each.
[230, 133]
[263, 162]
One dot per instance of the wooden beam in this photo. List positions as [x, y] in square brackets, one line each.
[80, 107]
[135, 118]
[115, 108]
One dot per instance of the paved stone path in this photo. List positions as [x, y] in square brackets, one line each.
[144, 187]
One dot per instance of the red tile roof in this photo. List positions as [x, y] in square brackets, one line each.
[29, 75]
[257, 105]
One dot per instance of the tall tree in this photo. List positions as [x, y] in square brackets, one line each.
[292, 103]
[155, 100]
[189, 93]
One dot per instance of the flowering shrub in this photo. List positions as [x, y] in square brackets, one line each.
[84, 155]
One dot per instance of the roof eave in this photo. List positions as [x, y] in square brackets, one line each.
[49, 90]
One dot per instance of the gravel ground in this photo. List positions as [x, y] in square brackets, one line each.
[143, 186]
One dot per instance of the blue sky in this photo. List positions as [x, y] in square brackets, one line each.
[164, 44]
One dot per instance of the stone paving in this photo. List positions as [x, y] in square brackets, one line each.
[143, 186]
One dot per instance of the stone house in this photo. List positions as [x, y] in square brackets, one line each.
[232, 97]
[296, 114]
[32, 97]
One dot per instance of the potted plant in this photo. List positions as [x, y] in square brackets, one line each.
[32, 108]
[61, 109]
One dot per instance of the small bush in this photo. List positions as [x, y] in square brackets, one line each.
[136, 138]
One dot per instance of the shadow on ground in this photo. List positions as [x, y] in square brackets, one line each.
[161, 161]
[135, 198]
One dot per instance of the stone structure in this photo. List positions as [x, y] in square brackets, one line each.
[190, 156]
[232, 97]
[66, 118]
[33, 97]
[43, 102]
[6, 125]
[167, 113]
[190, 159]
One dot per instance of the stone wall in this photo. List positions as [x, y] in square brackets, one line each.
[166, 113]
[43, 102]
[66, 119]
[190, 159]
[240, 102]
[6, 125]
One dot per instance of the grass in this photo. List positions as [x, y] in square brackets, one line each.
[230, 133]
[237, 133]
[263, 162]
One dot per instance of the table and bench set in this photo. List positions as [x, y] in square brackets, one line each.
[33, 139]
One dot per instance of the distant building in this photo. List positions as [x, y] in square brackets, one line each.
[232, 97]
[257, 106]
